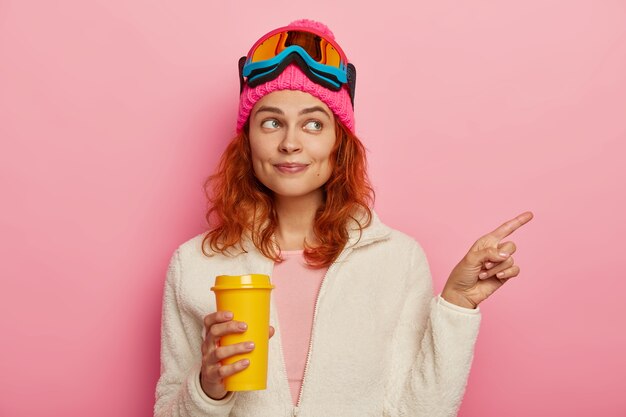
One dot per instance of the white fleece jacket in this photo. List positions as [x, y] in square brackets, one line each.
[381, 344]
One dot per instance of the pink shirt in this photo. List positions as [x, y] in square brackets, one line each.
[295, 293]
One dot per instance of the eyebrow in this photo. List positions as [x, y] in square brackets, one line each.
[308, 110]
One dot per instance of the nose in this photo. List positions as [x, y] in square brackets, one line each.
[291, 142]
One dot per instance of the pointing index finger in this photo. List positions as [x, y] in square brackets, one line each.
[512, 225]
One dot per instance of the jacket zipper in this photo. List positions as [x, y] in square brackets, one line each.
[296, 409]
[308, 353]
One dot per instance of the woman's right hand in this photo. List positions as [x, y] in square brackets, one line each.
[212, 374]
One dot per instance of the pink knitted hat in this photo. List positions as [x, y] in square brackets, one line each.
[293, 78]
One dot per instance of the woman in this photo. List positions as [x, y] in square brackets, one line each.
[358, 330]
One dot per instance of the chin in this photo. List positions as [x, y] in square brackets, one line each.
[295, 193]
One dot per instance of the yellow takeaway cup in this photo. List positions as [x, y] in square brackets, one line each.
[248, 297]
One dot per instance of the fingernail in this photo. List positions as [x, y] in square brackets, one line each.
[228, 315]
[249, 345]
[243, 326]
[482, 275]
[488, 265]
[503, 254]
[245, 362]
[500, 274]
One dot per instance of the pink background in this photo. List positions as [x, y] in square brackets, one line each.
[112, 113]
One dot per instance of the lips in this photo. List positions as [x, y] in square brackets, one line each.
[291, 167]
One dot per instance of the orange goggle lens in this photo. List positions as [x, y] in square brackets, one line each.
[318, 48]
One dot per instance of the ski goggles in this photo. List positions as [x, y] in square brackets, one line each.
[321, 59]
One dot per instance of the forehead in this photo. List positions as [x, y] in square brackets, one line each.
[290, 101]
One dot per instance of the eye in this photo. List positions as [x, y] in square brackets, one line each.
[314, 125]
[270, 124]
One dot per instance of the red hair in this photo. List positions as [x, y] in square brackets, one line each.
[241, 205]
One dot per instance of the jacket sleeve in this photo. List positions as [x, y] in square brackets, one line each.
[178, 390]
[432, 350]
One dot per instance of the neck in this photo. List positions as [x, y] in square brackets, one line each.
[296, 216]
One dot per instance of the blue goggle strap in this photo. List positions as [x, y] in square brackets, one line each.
[331, 74]
[350, 69]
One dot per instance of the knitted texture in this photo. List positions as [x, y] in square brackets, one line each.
[293, 78]
[312, 24]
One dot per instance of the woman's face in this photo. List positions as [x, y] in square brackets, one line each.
[291, 136]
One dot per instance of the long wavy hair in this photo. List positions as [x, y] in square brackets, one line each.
[241, 206]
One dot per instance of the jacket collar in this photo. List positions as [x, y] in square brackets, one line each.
[376, 231]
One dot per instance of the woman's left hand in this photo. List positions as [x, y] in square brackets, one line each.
[487, 266]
